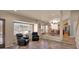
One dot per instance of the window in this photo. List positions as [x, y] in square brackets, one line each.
[35, 27]
[1, 32]
[24, 28]
[44, 29]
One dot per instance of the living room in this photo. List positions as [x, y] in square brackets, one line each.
[50, 25]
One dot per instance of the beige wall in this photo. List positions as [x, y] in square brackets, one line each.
[75, 16]
[9, 35]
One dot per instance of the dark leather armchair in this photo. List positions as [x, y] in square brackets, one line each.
[35, 36]
[22, 41]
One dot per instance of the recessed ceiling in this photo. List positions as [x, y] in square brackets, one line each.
[43, 15]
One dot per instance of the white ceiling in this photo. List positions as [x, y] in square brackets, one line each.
[44, 15]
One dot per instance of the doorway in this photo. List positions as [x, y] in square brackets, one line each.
[2, 33]
[67, 38]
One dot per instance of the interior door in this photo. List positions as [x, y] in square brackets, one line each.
[2, 33]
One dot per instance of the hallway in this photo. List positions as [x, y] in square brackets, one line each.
[45, 44]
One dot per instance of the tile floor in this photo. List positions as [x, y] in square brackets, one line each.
[45, 44]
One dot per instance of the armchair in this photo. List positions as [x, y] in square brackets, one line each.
[22, 41]
[35, 36]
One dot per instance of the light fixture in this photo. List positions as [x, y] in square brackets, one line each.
[54, 21]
